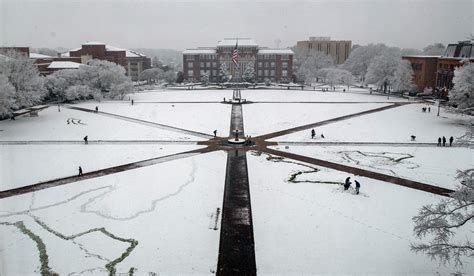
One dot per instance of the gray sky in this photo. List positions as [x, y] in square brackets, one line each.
[187, 24]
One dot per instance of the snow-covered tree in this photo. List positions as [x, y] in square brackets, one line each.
[7, 93]
[337, 76]
[151, 75]
[311, 66]
[205, 78]
[249, 72]
[179, 77]
[346, 78]
[403, 77]
[169, 76]
[104, 74]
[441, 222]
[411, 52]
[382, 69]
[78, 92]
[25, 79]
[118, 91]
[436, 49]
[361, 57]
[224, 72]
[463, 90]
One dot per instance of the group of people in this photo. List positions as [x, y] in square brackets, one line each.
[313, 134]
[423, 109]
[443, 140]
[348, 183]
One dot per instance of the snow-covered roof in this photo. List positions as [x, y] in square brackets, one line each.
[420, 56]
[35, 55]
[128, 53]
[199, 51]
[276, 51]
[93, 43]
[230, 42]
[64, 65]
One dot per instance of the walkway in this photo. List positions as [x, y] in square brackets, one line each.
[236, 248]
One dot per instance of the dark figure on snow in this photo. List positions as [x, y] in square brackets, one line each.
[423, 109]
[439, 141]
[347, 184]
[444, 141]
[86, 140]
[429, 109]
[322, 135]
[96, 109]
[357, 186]
[132, 101]
[313, 133]
[451, 139]
[80, 171]
[413, 137]
[215, 132]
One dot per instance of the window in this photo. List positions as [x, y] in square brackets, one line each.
[190, 73]
[272, 72]
[284, 64]
[191, 57]
[202, 64]
[260, 64]
[416, 66]
[190, 64]
[266, 63]
[285, 57]
[265, 72]
[214, 72]
[214, 64]
[259, 72]
[284, 73]
[272, 64]
[208, 64]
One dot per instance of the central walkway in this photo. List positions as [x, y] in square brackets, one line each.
[236, 248]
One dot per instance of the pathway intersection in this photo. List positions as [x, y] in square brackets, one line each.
[236, 248]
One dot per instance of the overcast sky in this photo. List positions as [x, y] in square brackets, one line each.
[187, 24]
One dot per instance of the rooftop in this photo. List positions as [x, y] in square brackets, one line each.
[64, 65]
[35, 55]
[275, 51]
[231, 42]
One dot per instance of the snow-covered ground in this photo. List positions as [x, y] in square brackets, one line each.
[265, 118]
[392, 125]
[317, 228]
[165, 218]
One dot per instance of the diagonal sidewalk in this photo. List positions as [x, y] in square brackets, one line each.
[99, 173]
[333, 120]
[361, 172]
[144, 122]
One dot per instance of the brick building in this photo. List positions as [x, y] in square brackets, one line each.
[133, 62]
[437, 72]
[21, 50]
[273, 64]
[339, 50]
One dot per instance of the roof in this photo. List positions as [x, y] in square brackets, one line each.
[230, 42]
[420, 56]
[276, 51]
[93, 43]
[35, 55]
[128, 53]
[64, 65]
[199, 51]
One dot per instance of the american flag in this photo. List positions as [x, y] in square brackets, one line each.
[235, 55]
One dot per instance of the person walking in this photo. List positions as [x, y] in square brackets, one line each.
[322, 135]
[313, 133]
[132, 101]
[80, 171]
[86, 140]
[429, 109]
[439, 141]
[444, 141]
[357, 186]
[96, 109]
[215, 133]
[451, 140]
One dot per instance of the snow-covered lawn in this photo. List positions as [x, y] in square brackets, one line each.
[166, 218]
[435, 166]
[265, 118]
[170, 209]
[392, 125]
[200, 117]
[317, 228]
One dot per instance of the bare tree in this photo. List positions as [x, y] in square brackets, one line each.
[440, 223]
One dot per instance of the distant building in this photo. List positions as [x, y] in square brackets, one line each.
[339, 50]
[437, 72]
[43, 63]
[273, 64]
[133, 62]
